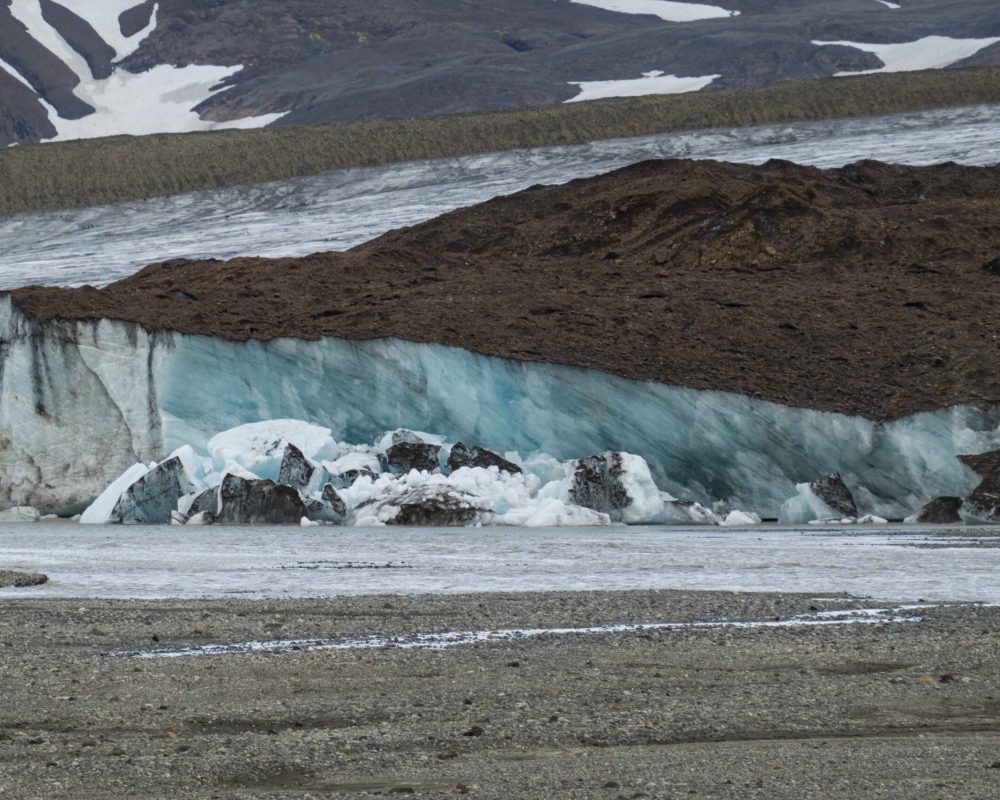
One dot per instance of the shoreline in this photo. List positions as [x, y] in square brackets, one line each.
[861, 711]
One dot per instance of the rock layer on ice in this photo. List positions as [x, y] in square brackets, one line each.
[857, 290]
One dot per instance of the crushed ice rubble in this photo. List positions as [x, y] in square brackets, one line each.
[294, 472]
[449, 639]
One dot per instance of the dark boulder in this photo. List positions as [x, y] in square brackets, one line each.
[152, 498]
[992, 267]
[330, 507]
[347, 479]
[983, 464]
[463, 456]
[258, 502]
[597, 484]
[296, 470]
[939, 511]
[206, 501]
[404, 456]
[428, 505]
[832, 490]
[983, 505]
[21, 580]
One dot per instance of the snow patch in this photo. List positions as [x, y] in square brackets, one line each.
[664, 9]
[931, 52]
[887, 4]
[654, 82]
[160, 100]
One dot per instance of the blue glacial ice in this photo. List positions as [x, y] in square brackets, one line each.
[82, 402]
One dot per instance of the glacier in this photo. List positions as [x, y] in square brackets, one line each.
[81, 402]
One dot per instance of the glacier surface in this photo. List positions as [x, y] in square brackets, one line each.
[82, 402]
[341, 209]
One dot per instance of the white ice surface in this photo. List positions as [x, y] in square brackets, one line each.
[258, 446]
[160, 100]
[445, 640]
[99, 512]
[654, 82]
[341, 209]
[177, 561]
[931, 52]
[664, 9]
[888, 4]
[804, 507]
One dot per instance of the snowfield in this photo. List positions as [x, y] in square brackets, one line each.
[654, 82]
[931, 52]
[664, 9]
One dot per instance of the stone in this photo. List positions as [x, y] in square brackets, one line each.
[206, 501]
[295, 468]
[939, 511]
[832, 490]
[597, 484]
[983, 505]
[21, 580]
[348, 478]
[152, 498]
[464, 456]
[404, 456]
[982, 463]
[329, 507]
[258, 502]
[427, 505]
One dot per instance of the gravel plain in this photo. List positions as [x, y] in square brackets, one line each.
[857, 711]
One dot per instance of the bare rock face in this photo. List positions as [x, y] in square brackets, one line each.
[832, 490]
[21, 580]
[81, 36]
[983, 505]
[258, 502]
[464, 456]
[295, 468]
[939, 511]
[597, 485]
[152, 498]
[404, 456]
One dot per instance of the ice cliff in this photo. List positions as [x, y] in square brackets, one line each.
[81, 402]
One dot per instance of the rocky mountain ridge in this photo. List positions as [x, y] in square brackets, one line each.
[63, 63]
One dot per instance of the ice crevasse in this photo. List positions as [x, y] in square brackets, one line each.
[82, 402]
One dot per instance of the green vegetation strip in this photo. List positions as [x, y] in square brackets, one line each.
[117, 169]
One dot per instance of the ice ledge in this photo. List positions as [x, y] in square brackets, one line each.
[82, 401]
